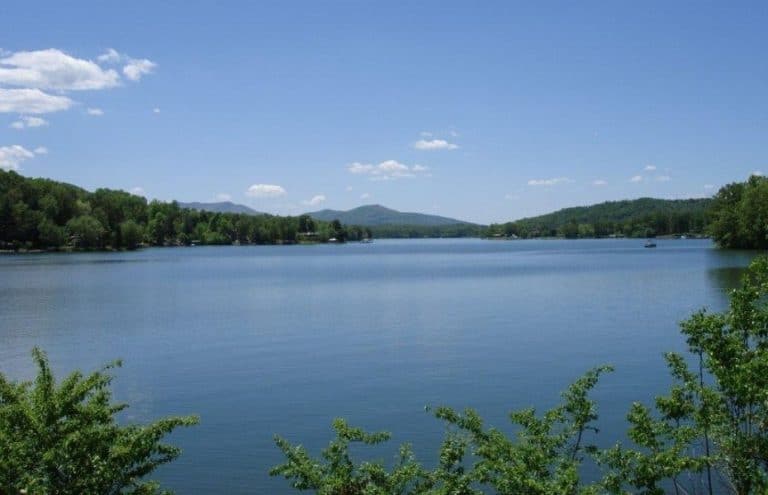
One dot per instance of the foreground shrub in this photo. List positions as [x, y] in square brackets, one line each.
[63, 438]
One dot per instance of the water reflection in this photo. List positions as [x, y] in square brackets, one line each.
[726, 278]
[726, 269]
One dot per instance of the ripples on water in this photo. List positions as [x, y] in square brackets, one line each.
[264, 340]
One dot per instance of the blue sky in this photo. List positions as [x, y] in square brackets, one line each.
[486, 111]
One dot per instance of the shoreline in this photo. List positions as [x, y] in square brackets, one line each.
[70, 250]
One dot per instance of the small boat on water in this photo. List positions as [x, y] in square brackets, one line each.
[366, 240]
[650, 244]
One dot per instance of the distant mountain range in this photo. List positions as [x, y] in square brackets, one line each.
[368, 215]
[387, 222]
[221, 207]
[377, 215]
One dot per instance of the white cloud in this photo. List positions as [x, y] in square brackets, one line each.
[387, 170]
[155, 110]
[365, 196]
[434, 144]
[135, 69]
[11, 157]
[40, 150]
[316, 200]
[512, 197]
[223, 197]
[96, 112]
[31, 101]
[709, 186]
[663, 178]
[650, 168]
[549, 182]
[349, 188]
[35, 121]
[25, 75]
[27, 79]
[757, 173]
[111, 56]
[360, 168]
[636, 178]
[265, 191]
[26, 122]
[53, 69]
[426, 134]
[138, 191]
[599, 182]
[392, 168]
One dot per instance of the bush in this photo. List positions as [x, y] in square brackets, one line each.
[64, 438]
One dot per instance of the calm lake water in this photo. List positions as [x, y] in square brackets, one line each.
[265, 340]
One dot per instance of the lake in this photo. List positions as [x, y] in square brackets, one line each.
[282, 339]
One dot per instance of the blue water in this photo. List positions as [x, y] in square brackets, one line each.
[265, 340]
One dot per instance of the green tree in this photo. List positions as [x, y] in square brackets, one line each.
[306, 224]
[544, 458]
[338, 231]
[752, 213]
[63, 438]
[586, 230]
[739, 215]
[338, 474]
[549, 450]
[49, 206]
[86, 231]
[732, 410]
[569, 230]
[667, 444]
[156, 229]
[131, 234]
[51, 235]
[714, 422]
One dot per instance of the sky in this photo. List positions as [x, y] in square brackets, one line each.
[483, 111]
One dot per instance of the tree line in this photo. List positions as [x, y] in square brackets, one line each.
[45, 214]
[394, 231]
[708, 434]
[644, 217]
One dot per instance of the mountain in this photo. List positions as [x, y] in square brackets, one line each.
[376, 215]
[221, 207]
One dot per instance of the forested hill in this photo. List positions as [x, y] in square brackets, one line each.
[377, 215]
[642, 217]
[45, 214]
[221, 207]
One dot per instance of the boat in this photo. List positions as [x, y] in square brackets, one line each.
[650, 244]
[367, 240]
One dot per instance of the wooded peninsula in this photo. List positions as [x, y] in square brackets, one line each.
[45, 214]
[42, 214]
